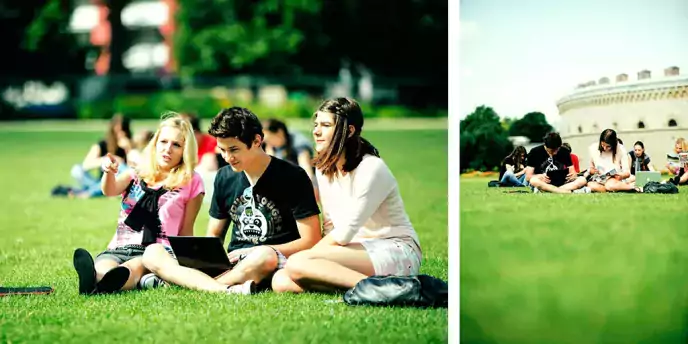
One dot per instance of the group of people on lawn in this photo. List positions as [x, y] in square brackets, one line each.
[611, 167]
[278, 240]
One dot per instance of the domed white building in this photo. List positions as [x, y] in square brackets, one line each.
[651, 110]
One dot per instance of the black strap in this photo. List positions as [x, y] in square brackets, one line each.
[145, 217]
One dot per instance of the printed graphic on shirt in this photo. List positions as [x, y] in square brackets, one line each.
[256, 218]
[551, 165]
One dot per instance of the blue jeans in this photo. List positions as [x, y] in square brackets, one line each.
[87, 183]
[510, 179]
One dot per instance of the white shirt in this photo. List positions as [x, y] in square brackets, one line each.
[603, 160]
[364, 204]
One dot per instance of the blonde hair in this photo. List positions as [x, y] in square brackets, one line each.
[149, 171]
[684, 144]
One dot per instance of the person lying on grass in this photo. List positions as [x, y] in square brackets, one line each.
[367, 229]
[609, 165]
[550, 157]
[269, 201]
[160, 198]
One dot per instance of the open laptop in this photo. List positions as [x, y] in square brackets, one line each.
[558, 177]
[202, 253]
[642, 177]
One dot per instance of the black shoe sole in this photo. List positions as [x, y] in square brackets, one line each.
[113, 280]
[85, 268]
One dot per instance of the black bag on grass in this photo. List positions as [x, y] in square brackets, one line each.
[415, 291]
[655, 187]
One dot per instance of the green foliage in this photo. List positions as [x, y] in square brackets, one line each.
[205, 104]
[224, 35]
[484, 142]
[44, 44]
[507, 122]
[49, 18]
[533, 125]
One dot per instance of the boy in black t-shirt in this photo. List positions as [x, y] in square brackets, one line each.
[549, 157]
[270, 203]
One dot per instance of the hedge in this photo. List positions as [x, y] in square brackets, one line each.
[206, 105]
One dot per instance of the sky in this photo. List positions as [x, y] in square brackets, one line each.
[519, 56]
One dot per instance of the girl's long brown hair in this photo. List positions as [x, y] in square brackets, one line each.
[346, 112]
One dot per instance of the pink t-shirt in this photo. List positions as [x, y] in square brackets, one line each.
[172, 205]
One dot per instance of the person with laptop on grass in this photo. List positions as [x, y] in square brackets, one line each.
[160, 197]
[640, 161]
[546, 169]
[367, 230]
[269, 202]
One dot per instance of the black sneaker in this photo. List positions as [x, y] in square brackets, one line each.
[85, 268]
[113, 280]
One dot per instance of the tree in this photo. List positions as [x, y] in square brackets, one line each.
[484, 142]
[36, 43]
[223, 37]
[507, 122]
[533, 125]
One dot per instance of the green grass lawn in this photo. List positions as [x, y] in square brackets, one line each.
[39, 234]
[589, 268]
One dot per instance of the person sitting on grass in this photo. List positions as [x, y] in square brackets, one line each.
[160, 198]
[117, 142]
[367, 230]
[609, 165]
[673, 164]
[682, 177]
[512, 171]
[291, 146]
[640, 161]
[269, 201]
[549, 157]
[139, 142]
[574, 157]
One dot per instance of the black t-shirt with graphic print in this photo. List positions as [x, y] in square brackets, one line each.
[541, 162]
[265, 214]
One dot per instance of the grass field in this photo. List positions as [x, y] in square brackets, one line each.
[589, 268]
[39, 233]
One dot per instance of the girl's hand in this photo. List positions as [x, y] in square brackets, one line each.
[110, 164]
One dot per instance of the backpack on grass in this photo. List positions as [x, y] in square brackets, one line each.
[655, 187]
[416, 291]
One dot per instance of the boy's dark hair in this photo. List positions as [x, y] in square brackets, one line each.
[236, 122]
[552, 140]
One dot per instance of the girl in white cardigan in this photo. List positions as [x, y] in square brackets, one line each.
[609, 165]
[366, 230]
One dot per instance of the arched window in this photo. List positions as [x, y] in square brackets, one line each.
[580, 129]
[641, 125]
[615, 125]
[595, 128]
[672, 123]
